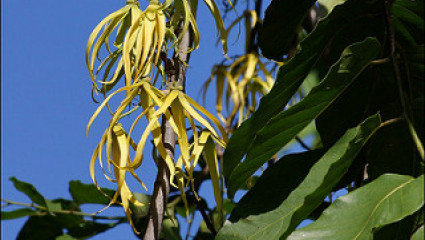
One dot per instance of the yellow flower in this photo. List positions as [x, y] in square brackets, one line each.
[143, 43]
[176, 107]
[120, 21]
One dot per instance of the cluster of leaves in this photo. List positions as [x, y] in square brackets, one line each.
[368, 111]
[63, 219]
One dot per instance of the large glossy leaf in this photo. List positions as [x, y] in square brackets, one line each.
[402, 229]
[286, 125]
[29, 190]
[350, 22]
[281, 23]
[275, 184]
[357, 215]
[279, 223]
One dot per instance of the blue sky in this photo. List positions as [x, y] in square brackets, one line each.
[46, 101]
[46, 98]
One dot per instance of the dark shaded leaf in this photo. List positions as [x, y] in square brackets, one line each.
[392, 150]
[388, 199]
[333, 122]
[40, 228]
[281, 23]
[88, 228]
[280, 222]
[275, 184]
[286, 125]
[408, 21]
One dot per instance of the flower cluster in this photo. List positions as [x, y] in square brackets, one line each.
[140, 39]
[243, 81]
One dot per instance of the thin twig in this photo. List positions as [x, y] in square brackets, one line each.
[209, 224]
[302, 143]
[404, 106]
[68, 212]
[189, 226]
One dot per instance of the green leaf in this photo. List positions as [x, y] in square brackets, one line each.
[392, 150]
[416, 67]
[400, 230]
[170, 230]
[408, 21]
[40, 228]
[286, 125]
[337, 118]
[326, 6]
[66, 237]
[388, 199]
[88, 193]
[275, 184]
[18, 213]
[281, 23]
[53, 206]
[87, 229]
[419, 234]
[326, 173]
[348, 23]
[29, 190]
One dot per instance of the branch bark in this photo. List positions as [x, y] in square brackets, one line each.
[176, 74]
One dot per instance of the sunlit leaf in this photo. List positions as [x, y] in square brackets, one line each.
[356, 216]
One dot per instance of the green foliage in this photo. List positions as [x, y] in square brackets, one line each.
[275, 184]
[88, 193]
[282, 28]
[329, 169]
[344, 20]
[276, 133]
[48, 218]
[386, 200]
[385, 83]
[29, 190]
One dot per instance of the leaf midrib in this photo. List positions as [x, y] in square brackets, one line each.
[377, 205]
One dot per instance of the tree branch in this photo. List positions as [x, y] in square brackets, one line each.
[176, 74]
[68, 212]
[402, 96]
